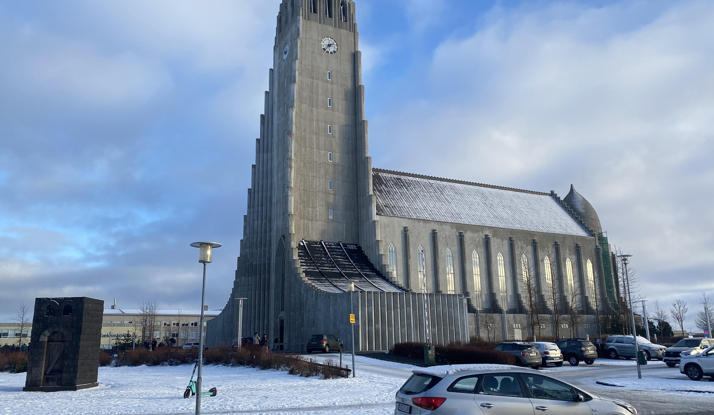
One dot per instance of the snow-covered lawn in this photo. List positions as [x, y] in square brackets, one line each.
[159, 390]
[683, 385]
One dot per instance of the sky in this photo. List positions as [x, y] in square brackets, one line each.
[127, 129]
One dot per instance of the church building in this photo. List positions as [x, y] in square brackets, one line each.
[415, 258]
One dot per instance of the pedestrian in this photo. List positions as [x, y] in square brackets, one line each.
[256, 339]
[265, 342]
[276, 345]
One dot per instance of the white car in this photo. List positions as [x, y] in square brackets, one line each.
[497, 390]
[191, 346]
[698, 365]
[550, 352]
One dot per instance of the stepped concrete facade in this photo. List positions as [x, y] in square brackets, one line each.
[428, 257]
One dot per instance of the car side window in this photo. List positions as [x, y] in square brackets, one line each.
[710, 353]
[619, 340]
[507, 347]
[464, 385]
[541, 387]
[498, 347]
[573, 344]
[629, 340]
[501, 385]
[561, 344]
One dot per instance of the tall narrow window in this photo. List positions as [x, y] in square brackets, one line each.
[329, 185]
[548, 281]
[329, 129]
[591, 279]
[450, 287]
[329, 157]
[569, 273]
[477, 279]
[524, 270]
[421, 267]
[343, 12]
[502, 281]
[393, 261]
[329, 102]
[328, 9]
[329, 75]
[313, 6]
[332, 214]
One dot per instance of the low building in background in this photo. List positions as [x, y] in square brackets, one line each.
[167, 327]
[11, 333]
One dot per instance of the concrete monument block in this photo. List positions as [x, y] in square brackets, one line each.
[64, 348]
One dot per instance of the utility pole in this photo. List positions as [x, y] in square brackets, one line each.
[706, 311]
[625, 261]
[647, 321]
[352, 325]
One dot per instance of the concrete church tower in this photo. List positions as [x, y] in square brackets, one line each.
[428, 257]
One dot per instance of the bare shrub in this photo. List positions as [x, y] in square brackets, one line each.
[14, 362]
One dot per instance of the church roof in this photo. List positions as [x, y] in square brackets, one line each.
[412, 196]
[582, 207]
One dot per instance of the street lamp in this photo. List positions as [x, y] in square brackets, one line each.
[625, 261]
[204, 257]
[351, 289]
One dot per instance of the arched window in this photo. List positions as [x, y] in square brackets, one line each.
[392, 257]
[502, 280]
[328, 9]
[67, 310]
[477, 279]
[450, 288]
[548, 281]
[569, 273]
[313, 6]
[591, 279]
[421, 267]
[343, 12]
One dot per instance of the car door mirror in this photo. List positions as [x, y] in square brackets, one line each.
[580, 398]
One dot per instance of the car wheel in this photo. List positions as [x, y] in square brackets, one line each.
[327, 349]
[589, 362]
[670, 364]
[573, 361]
[694, 372]
[648, 355]
[559, 364]
[612, 354]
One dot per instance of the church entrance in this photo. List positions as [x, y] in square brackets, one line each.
[54, 360]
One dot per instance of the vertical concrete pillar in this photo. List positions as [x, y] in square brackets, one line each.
[407, 259]
[493, 303]
[462, 265]
[514, 276]
[370, 328]
[435, 260]
[383, 307]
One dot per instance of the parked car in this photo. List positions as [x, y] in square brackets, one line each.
[526, 353]
[624, 346]
[577, 350]
[686, 347]
[245, 341]
[698, 365]
[191, 346]
[498, 391]
[323, 343]
[550, 353]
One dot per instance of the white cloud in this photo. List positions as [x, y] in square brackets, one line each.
[540, 98]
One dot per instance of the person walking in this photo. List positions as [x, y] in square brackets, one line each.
[256, 339]
[265, 342]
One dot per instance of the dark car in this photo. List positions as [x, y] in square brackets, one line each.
[323, 343]
[526, 353]
[686, 347]
[245, 341]
[577, 350]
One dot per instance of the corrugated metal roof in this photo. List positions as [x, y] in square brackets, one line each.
[441, 200]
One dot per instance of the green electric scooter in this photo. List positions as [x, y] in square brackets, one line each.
[191, 388]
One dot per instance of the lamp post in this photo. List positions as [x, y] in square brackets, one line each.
[351, 289]
[625, 261]
[239, 329]
[204, 257]
[647, 321]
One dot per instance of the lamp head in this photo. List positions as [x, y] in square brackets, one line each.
[205, 251]
[625, 258]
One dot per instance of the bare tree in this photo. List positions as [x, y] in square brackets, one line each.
[701, 321]
[530, 298]
[147, 313]
[23, 320]
[573, 315]
[490, 320]
[659, 313]
[679, 313]
[553, 295]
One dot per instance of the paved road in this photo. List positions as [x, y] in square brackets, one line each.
[646, 402]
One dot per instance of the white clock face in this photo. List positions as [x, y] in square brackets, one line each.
[286, 50]
[329, 45]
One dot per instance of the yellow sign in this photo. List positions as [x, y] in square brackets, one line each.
[352, 319]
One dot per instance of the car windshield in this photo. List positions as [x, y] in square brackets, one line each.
[419, 383]
[688, 343]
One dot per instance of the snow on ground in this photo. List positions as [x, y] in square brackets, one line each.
[159, 390]
[661, 384]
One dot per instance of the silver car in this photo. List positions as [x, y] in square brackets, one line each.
[624, 346]
[550, 352]
[497, 390]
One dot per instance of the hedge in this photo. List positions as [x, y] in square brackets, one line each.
[456, 354]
